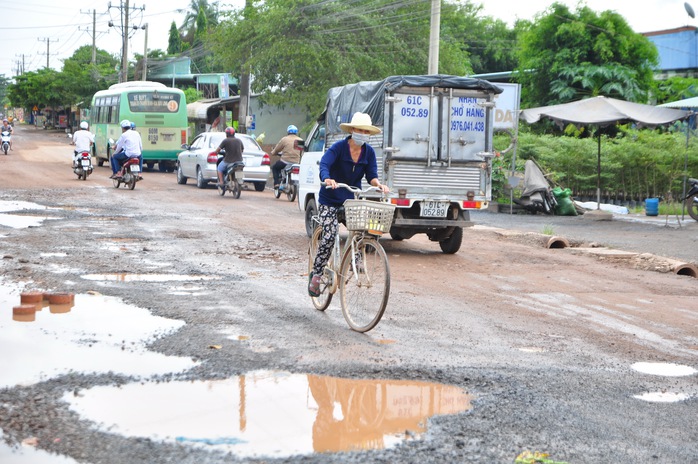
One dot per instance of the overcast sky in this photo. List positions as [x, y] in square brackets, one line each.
[27, 24]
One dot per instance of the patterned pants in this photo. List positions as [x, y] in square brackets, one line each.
[330, 226]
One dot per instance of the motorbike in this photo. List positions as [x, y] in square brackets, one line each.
[82, 165]
[129, 174]
[691, 199]
[288, 183]
[5, 140]
[232, 179]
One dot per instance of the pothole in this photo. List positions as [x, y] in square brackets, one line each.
[28, 454]
[664, 369]
[662, 397]
[272, 414]
[126, 277]
[91, 334]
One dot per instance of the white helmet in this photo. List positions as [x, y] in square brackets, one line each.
[125, 124]
[83, 125]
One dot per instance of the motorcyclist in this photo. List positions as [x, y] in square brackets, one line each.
[233, 153]
[83, 140]
[7, 127]
[128, 146]
[289, 151]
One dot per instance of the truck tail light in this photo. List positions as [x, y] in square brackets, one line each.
[400, 201]
[184, 136]
[212, 158]
[265, 160]
[472, 204]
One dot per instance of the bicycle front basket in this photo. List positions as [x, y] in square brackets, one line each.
[371, 216]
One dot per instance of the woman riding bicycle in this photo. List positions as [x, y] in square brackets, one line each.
[347, 161]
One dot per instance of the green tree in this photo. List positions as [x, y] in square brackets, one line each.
[174, 42]
[579, 81]
[561, 43]
[190, 23]
[80, 78]
[488, 42]
[675, 88]
[42, 88]
[297, 49]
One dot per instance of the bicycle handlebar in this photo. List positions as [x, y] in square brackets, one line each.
[357, 191]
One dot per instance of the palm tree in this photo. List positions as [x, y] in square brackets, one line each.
[210, 12]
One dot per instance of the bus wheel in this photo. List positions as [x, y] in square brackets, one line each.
[162, 167]
[100, 162]
[150, 165]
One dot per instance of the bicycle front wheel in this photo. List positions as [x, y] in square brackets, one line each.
[322, 301]
[365, 284]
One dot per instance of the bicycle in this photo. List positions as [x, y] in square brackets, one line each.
[359, 269]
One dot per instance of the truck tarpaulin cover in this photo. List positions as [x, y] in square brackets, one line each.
[369, 96]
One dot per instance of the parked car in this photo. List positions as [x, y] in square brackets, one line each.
[198, 160]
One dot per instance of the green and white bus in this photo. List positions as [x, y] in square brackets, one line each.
[160, 115]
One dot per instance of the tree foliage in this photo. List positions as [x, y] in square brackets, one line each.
[635, 164]
[76, 83]
[297, 49]
[191, 21]
[581, 53]
[174, 42]
[489, 43]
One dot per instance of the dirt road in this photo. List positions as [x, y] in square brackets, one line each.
[546, 341]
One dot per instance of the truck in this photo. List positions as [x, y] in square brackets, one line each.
[434, 152]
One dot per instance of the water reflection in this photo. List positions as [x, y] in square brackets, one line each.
[80, 333]
[272, 413]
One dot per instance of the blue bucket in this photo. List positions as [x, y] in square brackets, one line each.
[652, 206]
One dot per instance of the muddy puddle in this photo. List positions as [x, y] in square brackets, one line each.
[92, 333]
[272, 414]
[663, 370]
[28, 454]
[126, 277]
[21, 221]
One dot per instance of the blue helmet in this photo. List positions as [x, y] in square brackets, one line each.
[133, 125]
[292, 129]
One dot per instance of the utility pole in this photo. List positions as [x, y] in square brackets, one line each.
[244, 85]
[20, 66]
[94, 34]
[124, 13]
[145, 54]
[434, 37]
[48, 42]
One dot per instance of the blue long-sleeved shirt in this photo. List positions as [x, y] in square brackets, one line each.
[337, 164]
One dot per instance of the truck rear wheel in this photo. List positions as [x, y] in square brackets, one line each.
[396, 236]
[452, 244]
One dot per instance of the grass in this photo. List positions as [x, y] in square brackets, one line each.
[672, 208]
[548, 229]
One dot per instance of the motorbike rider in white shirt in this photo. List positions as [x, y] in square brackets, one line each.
[83, 141]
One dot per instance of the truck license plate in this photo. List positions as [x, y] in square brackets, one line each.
[434, 208]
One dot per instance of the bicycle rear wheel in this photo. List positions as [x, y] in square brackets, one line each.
[364, 293]
[323, 301]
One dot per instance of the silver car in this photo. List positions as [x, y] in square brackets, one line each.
[198, 160]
